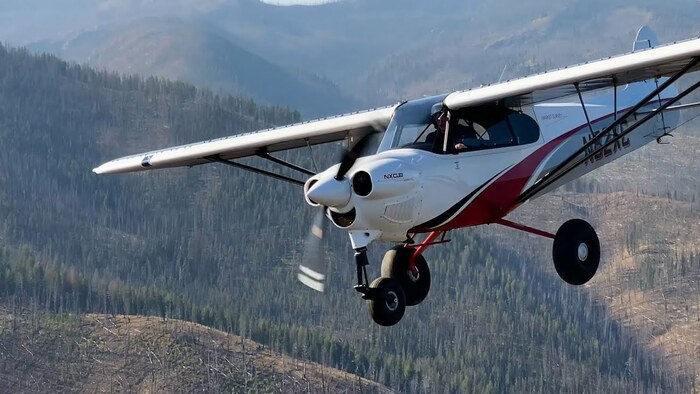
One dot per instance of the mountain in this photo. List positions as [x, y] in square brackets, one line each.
[176, 49]
[403, 49]
[220, 247]
[65, 352]
[380, 52]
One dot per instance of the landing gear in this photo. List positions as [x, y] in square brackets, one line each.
[386, 302]
[576, 252]
[415, 283]
[400, 284]
[576, 249]
[385, 297]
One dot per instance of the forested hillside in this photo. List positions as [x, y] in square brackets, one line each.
[220, 247]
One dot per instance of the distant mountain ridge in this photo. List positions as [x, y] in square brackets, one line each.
[192, 52]
[383, 51]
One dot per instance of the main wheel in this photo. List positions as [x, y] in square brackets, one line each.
[395, 265]
[576, 252]
[387, 303]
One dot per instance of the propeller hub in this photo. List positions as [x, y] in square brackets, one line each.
[330, 192]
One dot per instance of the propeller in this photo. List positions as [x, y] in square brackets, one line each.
[350, 156]
[314, 266]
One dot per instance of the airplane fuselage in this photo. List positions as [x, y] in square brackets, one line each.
[413, 190]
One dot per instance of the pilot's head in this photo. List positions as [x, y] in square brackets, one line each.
[438, 116]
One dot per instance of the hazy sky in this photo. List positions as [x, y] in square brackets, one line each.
[293, 2]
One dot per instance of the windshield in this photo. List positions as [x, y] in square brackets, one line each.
[411, 126]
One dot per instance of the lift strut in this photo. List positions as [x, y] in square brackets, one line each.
[595, 143]
[255, 170]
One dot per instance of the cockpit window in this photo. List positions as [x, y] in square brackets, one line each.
[412, 126]
[473, 128]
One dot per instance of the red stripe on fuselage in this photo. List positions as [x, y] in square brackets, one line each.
[500, 198]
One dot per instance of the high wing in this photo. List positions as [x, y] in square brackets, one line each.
[664, 65]
[652, 63]
[614, 71]
[314, 132]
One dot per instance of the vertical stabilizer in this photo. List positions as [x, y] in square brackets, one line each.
[646, 38]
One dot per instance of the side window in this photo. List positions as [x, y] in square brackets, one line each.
[500, 134]
[526, 129]
[474, 135]
[468, 133]
[492, 126]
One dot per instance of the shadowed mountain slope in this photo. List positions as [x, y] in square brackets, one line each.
[177, 49]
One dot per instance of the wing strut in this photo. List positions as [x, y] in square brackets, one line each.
[566, 166]
[287, 164]
[255, 170]
[585, 111]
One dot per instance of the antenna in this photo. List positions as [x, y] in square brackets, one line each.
[502, 72]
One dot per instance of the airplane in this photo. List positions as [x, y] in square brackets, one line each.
[463, 159]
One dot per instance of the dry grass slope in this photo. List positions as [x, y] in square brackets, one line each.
[41, 352]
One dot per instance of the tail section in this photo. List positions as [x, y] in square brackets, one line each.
[646, 38]
[618, 141]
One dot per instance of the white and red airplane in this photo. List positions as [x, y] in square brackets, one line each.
[464, 159]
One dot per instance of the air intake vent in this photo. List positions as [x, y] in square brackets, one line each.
[362, 184]
[343, 220]
[400, 212]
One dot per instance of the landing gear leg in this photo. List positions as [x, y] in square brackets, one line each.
[361, 264]
[576, 249]
[386, 301]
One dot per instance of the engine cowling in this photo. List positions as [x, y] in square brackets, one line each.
[383, 179]
[377, 195]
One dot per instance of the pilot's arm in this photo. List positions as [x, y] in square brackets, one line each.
[459, 139]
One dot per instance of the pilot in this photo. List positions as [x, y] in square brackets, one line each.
[439, 118]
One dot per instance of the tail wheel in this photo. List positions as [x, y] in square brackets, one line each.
[395, 265]
[576, 252]
[387, 303]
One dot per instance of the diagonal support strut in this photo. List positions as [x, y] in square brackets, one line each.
[255, 170]
[561, 170]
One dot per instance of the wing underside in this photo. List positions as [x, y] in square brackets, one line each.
[315, 132]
